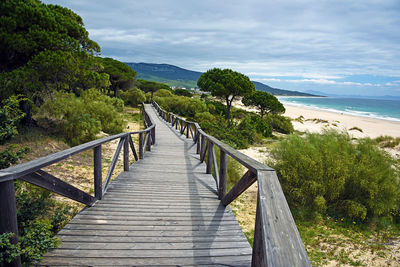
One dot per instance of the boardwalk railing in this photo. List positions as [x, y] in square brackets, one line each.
[32, 172]
[276, 238]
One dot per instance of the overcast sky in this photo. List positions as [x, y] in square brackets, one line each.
[335, 46]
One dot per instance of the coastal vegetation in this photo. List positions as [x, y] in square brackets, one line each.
[54, 87]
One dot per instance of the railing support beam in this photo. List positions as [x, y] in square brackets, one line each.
[98, 191]
[8, 218]
[223, 163]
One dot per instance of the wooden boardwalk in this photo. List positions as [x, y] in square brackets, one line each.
[163, 211]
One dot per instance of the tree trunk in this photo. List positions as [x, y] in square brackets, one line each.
[27, 109]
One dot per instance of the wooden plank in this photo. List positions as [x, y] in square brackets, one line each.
[245, 182]
[8, 218]
[282, 245]
[98, 180]
[126, 153]
[133, 148]
[49, 182]
[154, 246]
[112, 165]
[177, 261]
[223, 165]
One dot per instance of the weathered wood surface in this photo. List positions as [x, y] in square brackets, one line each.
[164, 211]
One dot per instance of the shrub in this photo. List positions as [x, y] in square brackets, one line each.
[182, 92]
[79, 119]
[163, 93]
[279, 123]
[330, 173]
[11, 155]
[181, 105]
[8, 250]
[10, 115]
[36, 239]
[133, 97]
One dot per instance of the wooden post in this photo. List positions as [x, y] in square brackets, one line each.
[176, 123]
[126, 153]
[257, 258]
[223, 163]
[8, 218]
[153, 135]
[203, 145]
[141, 146]
[187, 129]
[209, 157]
[98, 191]
[198, 143]
[149, 140]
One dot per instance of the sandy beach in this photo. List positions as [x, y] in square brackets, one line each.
[315, 120]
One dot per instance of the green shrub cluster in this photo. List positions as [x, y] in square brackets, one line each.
[39, 219]
[330, 173]
[279, 123]
[132, 97]
[11, 155]
[182, 92]
[180, 105]
[79, 119]
[10, 115]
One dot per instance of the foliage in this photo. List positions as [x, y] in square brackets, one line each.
[79, 119]
[36, 239]
[226, 84]
[122, 77]
[387, 141]
[151, 87]
[265, 102]
[183, 92]
[8, 250]
[182, 105]
[163, 93]
[11, 155]
[43, 47]
[279, 123]
[330, 173]
[10, 115]
[132, 97]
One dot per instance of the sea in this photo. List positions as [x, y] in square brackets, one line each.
[372, 108]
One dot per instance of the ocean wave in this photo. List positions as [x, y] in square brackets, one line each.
[347, 111]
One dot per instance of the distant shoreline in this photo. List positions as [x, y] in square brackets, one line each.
[371, 127]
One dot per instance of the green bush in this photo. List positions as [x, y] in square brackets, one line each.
[279, 123]
[133, 97]
[10, 115]
[36, 239]
[182, 92]
[8, 250]
[80, 119]
[181, 105]
[163, 93]
[11, 155]
[329, 172]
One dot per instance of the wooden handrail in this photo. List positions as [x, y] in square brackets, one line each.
[32, 172]
[276, 239]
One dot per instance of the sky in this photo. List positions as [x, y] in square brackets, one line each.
[332, 46]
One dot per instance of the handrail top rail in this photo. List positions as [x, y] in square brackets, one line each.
[25, 168]
[245, 160]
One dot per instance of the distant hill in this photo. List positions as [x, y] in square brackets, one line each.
[179, 77]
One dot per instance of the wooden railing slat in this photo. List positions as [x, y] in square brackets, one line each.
[53, 184]
[132, 145]
[98, 189]
[245, 182]
[112, 165]
[281, 241]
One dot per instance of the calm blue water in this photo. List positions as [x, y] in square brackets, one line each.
[373, 108]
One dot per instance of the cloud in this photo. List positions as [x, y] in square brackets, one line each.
[318, 41]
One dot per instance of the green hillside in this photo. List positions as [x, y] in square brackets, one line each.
[179, 77]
